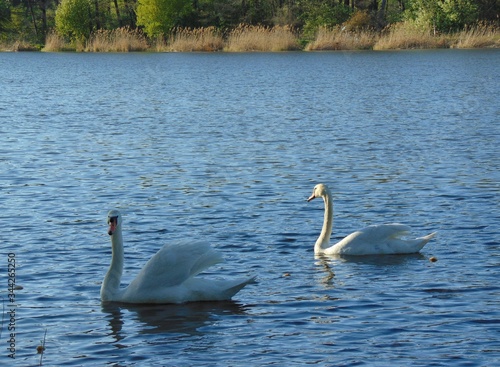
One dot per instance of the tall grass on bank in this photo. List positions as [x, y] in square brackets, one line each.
[246, 38]
[406, 35]
[56, 43]
[480, 36]
[339, 38]
[17, 46]
[207, 39]
[117, 40]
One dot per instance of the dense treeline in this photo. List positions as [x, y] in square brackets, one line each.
[31, 21]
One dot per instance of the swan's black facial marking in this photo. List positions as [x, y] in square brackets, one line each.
[312, 197]
[112, 221]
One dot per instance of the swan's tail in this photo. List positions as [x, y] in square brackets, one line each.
[232, 290]
[422, 241]
[427, 238]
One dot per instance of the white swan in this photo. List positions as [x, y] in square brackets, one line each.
[169, 276]
[373, 240]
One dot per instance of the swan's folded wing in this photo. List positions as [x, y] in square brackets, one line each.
[382, 232]
[375, 239]
[175, 263]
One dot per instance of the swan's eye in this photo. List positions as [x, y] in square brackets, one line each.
[112, 220]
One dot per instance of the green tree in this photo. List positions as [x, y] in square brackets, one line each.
[458, 13]
[444, 15]
[74, 19]
[158, 17]
[4, 14]
[218, 13]
[323, 14]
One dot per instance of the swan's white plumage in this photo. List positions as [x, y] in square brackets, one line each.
[169, 276]
[381, 239]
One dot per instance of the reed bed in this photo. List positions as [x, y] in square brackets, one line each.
[406, 35]
[117, 40]
[247, 38]
[480, 36]
[55, 43]
[339, 38]
[207, 39]
[17, 46]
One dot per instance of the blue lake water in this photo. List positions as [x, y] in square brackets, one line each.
[226, 148]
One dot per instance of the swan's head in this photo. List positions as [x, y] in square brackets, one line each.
[114, 221]
[319, 191]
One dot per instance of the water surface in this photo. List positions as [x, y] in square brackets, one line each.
[226, 148]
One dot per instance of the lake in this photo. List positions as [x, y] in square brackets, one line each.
[226, 148]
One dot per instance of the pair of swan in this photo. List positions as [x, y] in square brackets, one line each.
[170, 275]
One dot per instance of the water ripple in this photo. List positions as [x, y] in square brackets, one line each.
[226, 148]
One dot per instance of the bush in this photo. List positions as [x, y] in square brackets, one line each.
[358, 21]
[73, 20]
[442, 16]
[325, 15]
[159, 17]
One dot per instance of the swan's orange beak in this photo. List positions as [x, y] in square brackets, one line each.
[112, 225]
[111, 229]
[311, 197]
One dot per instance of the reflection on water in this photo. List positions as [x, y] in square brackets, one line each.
[377, 260]
[177, 319]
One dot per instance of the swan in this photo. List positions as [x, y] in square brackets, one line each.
[169, 276]
[381, 239]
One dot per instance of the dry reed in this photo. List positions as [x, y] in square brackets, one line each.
[17, 46]
[338, 38]
[353, 35]
[117, 40]
[406, 35]
[480, 36]
[195, 39]
[55, 43]
[245, 38]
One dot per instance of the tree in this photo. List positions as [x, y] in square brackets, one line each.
[4, 14]
[458, 13]
[316, 14]
[74, 19]
[444, 15]
[158, 17]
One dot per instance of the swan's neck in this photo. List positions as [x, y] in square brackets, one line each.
[323, 240]
[111, 282]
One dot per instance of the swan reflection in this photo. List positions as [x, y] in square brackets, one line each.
[185, 318]
[377, 260]
[323, 264]
[326, 263]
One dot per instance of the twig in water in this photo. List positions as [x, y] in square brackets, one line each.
[41, 348]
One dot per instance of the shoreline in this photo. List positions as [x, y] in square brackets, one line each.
[269, 39]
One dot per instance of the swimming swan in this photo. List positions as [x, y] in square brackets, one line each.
[169, 276]
[381, 239]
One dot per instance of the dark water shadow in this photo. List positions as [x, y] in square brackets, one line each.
[169, 318]
[377, 260]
